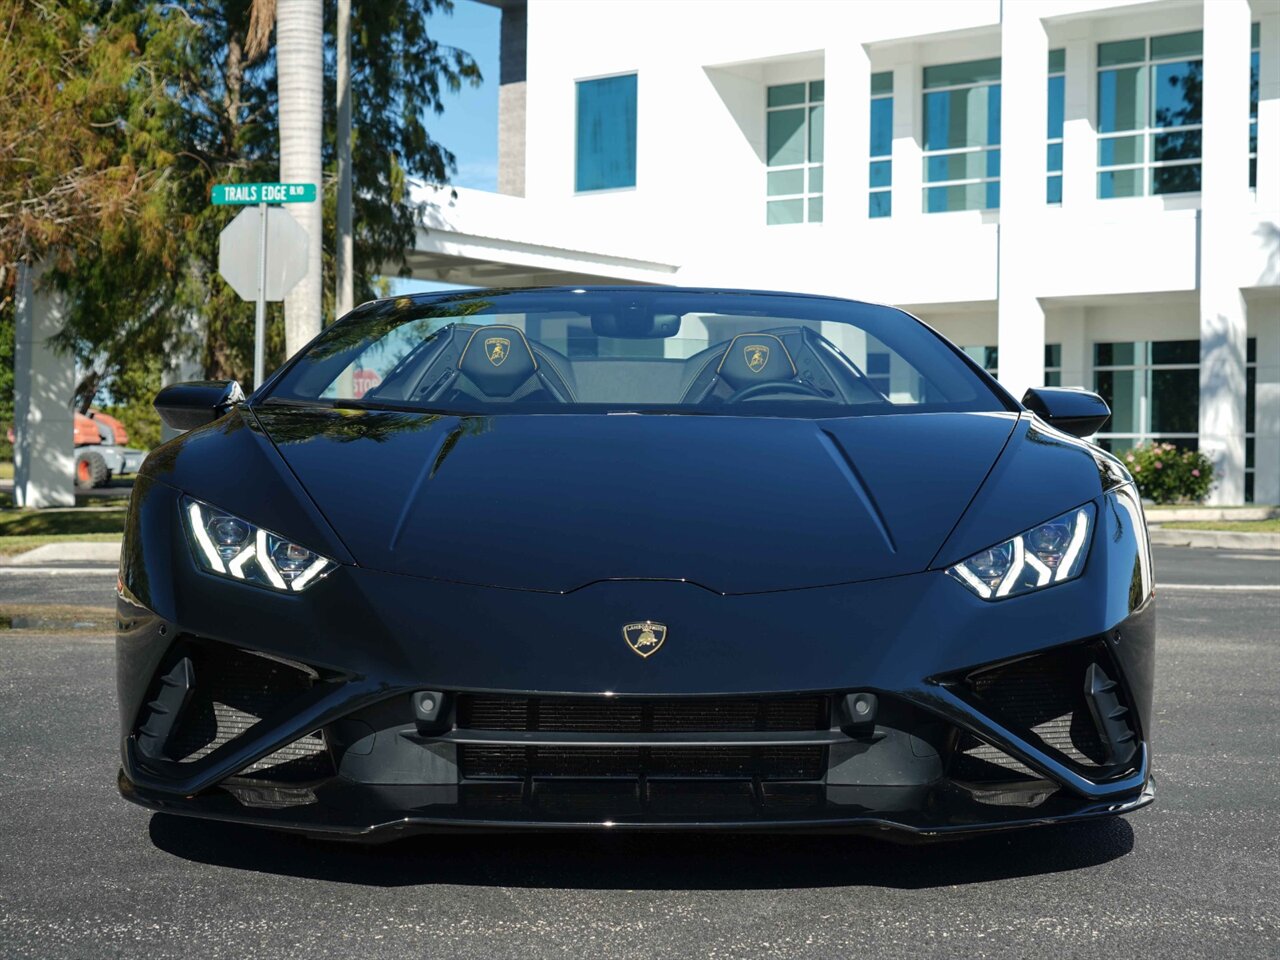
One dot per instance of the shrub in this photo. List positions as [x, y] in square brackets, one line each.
[142, 422]
[1166, 474]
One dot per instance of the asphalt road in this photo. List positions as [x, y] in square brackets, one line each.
[84, 874]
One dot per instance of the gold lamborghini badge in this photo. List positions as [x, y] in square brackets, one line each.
[645, 637]
[757, 355]
[497, 349]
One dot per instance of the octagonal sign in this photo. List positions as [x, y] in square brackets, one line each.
[286, 252]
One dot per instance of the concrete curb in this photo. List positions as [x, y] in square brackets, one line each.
[1215, 539]
[73, 551]
[1156, 515]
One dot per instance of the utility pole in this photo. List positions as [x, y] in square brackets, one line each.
[345, 293]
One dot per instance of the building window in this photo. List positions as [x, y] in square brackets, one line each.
[1053, 364]
[1255, 43]
[881, 197]
[793, 135]
[606, 134]
[1057, 112]
[1149, 98]
[1153, 389]
[962, 136]
[988, 357]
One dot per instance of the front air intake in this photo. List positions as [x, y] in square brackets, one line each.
[1057, 698]
[214, 693]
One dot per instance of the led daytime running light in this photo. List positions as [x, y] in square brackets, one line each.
[1031, 560]
[228, 546]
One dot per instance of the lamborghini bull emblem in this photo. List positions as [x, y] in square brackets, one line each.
[757, 355]
[497, 349]
[645, 637]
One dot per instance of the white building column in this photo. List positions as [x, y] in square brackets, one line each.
[846, 134]
[1268, 195]
[908, 136]
[1079, 142]
[44, 381]
[1069, 330]
[1266, 451]
[1225, 201]
[1024, 53]
[1266, 424]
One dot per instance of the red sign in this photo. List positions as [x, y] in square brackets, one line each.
[362, 381]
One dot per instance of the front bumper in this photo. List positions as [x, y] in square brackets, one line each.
[366, 642]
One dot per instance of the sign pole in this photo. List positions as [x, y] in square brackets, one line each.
[260, 316]
[249, 279]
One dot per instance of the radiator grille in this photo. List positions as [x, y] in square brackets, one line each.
[572, 762]
[642, 715]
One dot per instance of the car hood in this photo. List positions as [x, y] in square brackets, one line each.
[555, 502]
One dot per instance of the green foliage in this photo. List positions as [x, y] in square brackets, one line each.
[1166, 474]
[141, 420]
[31, 523]
[138, 108]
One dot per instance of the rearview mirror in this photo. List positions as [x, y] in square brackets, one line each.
[635, 324]
[1077, 412]
[185, 406]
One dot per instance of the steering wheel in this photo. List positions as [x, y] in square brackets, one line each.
[778, 386]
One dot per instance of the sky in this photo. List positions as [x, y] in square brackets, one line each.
[469, 124]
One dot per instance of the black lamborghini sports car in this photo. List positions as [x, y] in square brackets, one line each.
[634, 558]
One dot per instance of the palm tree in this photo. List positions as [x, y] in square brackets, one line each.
[300, 85]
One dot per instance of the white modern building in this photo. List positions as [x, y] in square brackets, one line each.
[1080, 192]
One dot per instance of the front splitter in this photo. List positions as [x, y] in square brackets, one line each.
[382, 825]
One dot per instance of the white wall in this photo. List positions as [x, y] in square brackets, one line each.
[697, 212]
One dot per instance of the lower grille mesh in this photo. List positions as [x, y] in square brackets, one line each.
[642, 715]
[763, 763]
[1045, 695]
[233, 691]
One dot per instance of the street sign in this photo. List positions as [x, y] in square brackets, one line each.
[286, 250]
[265, 270]
[250, 193]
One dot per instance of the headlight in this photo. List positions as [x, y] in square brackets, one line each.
[1051, 553]
[239, 550]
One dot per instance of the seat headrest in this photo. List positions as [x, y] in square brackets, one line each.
[755, 358]
[497, 359]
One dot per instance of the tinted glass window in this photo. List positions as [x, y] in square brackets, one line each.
[606, 135]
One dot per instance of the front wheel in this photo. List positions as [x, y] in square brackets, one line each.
[91, 471]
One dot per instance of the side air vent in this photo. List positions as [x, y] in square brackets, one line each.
[215, 693]
[1051, 696]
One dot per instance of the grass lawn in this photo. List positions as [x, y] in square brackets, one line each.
[11, 545]
[22, 530]
[27, 523]
[6, 469]
[1234, 526]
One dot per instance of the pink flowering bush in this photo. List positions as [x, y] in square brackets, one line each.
[1166, 474]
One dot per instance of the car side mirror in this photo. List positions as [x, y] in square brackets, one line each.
[185, 406]
[1080, 413]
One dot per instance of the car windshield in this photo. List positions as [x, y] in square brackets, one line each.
[634, 350]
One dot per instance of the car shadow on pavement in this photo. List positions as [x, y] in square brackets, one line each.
[647, 861]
